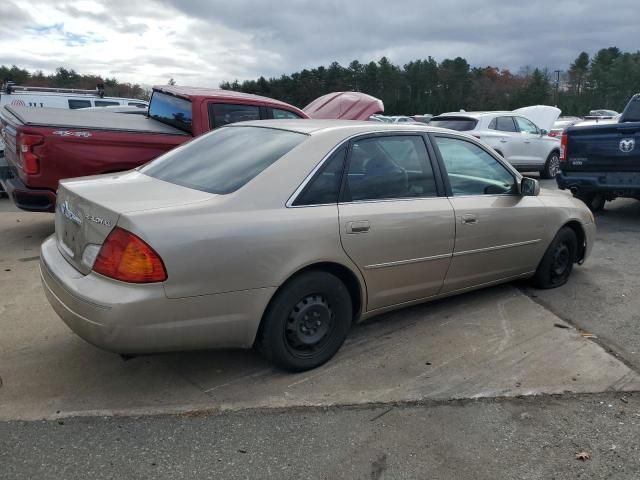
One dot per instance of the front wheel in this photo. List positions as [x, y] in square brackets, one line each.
[551, 166]
[557, 262]
[307, 322]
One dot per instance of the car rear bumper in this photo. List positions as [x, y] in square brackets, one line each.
[620, 184]
[26, 198]
[139, 318]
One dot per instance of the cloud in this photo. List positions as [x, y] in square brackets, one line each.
[203, 42]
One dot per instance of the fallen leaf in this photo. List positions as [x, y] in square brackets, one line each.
[584, 456]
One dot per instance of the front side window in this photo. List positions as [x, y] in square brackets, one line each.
[472, 171]
[325, 185]
[171, 110]
[224, 160]
[225, 113]
[74, 104]
[279, 114]
[526, 126]
[389, 167]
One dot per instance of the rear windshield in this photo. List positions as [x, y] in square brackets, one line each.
[224, 160]
[171, 110]
[632, 113]
[459, 124]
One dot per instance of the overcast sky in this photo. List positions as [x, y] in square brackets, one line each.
[200, 42]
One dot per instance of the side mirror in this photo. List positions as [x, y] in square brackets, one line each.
[529, 187]
[543, 132]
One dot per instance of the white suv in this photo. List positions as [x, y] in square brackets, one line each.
[516, 138]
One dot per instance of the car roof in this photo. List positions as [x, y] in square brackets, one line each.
[349, 127]
[202, 92]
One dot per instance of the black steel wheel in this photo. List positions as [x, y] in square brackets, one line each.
[306, 322]
[557, 263]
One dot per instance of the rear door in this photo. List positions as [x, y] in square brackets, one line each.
[498, 232]
[394, 222]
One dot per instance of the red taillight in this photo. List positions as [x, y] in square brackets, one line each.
[563, 148]
[126, 257]
[30, 161]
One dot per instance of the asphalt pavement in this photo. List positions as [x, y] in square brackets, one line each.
[507, 382]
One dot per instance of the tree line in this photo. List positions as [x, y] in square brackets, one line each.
[606, 80]
[69, 78]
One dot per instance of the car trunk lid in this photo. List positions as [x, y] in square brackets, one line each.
[88, 209]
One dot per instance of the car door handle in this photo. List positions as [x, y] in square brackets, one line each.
[503, 140]
[527, 141]
[469, 219]
[361, 226]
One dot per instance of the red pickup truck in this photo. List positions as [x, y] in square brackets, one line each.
[46, 145]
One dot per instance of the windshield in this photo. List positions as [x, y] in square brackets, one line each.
[171, 110]
[459, 124]
[224, 160]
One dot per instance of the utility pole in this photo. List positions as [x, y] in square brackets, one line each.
[557, 93]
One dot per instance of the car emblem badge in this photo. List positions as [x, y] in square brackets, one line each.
[70, 214]
[627, 144]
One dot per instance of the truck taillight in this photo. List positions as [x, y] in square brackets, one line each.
[126, 257]
[30, 161]
[563, 148]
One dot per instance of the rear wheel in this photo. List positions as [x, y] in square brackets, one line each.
[307, 322]
[551, 166]
[557, 262]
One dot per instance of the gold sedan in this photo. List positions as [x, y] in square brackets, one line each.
[280, 234]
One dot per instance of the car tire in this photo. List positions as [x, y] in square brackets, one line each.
[307, 322]
[557, 263]
[595, 201]
[551, 166]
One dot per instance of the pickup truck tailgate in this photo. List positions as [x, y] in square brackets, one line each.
[603, 148]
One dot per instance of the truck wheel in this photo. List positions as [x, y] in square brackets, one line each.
[558, 260]
[306, 322]
[595, 201]
[551, 166]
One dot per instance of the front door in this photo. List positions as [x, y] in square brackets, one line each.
[533, 142]
[498, 231]
[393, 224]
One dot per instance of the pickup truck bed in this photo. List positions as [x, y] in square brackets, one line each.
[56, 117]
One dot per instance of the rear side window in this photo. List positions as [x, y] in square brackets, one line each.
[222, 114]
[459, 124]
[224, 160]
[171, 110]
[279, 114]
[325, 185]
[73, 104]
[389, 167]
[105, 103]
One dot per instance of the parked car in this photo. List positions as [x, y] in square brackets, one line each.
[601, 114]
[46, 145]
[402, 119]
[562, 124]
[426, 118]
[70, 98]
[280, 234]
[519, 136]
[600, 162]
